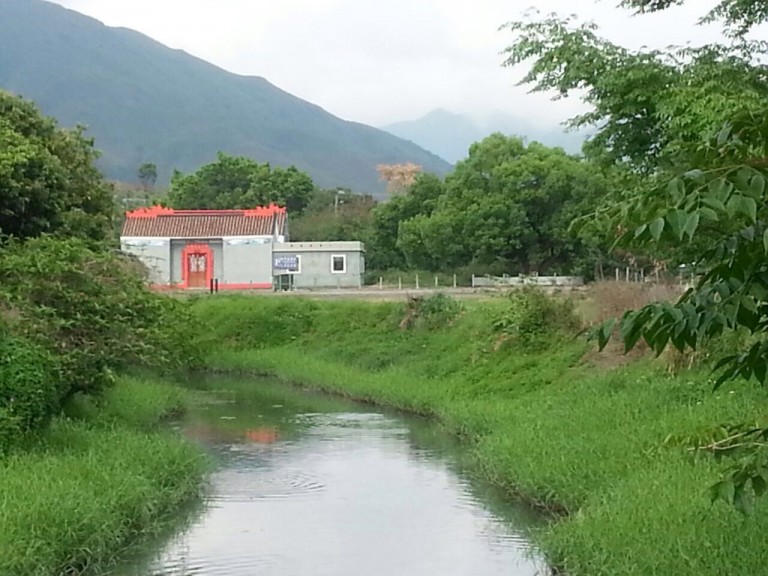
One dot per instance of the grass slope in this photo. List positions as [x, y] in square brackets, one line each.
[544, 424]
[74, 499]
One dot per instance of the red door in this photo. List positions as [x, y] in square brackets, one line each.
[197, 264]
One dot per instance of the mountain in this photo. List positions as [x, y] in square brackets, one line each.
[449, 135]
[144, 102]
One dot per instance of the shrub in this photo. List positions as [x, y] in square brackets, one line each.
[91, 309]
[435, 311]
[29, 388]
[533, 316]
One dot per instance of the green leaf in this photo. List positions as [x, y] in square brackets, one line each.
[691, 224]
[757, 185]
[759, 485]
[677, 220]
[765, 241]
[656, 228]
[714, 203]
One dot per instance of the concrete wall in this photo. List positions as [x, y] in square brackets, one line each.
[246, 262]
[498, 281]
[154, 253]
[315, 270]
[177, 247]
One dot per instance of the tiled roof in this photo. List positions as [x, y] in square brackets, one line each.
[158, 221]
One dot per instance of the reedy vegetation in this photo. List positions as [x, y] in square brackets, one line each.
[77, 486]
[691, 123]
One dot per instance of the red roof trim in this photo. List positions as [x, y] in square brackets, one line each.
[155, 211]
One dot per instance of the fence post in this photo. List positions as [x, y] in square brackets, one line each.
[417, 281]
[627, 273]
[454, 280]
[473, 280]
[399, 283]
[436, 282]
[216, 285]
[381, 283]
[617, 274]
[211, 285]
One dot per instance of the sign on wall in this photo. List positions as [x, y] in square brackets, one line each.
[286, 263]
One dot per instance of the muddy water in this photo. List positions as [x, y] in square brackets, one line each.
[308, 485]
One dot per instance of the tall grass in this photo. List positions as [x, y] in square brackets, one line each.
[544, 423]
[90, 486]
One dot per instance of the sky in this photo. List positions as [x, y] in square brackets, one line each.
[379, 62]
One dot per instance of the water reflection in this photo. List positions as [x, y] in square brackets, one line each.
[308, 485]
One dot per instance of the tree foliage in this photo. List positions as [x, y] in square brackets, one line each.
[693, 123]
[90, 308]
[147, 174]
[738, 16]
[236, 182]
[506, 203]
[331, 215]
[48, 183]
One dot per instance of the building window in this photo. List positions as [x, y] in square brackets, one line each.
[338, 264]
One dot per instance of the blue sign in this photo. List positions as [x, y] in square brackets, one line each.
[287, 263]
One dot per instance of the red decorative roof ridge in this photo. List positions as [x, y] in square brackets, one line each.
[155, 211]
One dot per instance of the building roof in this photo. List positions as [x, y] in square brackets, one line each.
[161, 222]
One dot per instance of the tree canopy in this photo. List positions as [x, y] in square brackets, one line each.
[692, 125]
[507, 205]
[48, 183]
[236, 182]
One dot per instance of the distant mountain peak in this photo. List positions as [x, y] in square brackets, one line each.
[145, 102]
[450, 134]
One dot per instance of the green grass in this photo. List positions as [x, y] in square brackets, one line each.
[74, 499]
[543, 424]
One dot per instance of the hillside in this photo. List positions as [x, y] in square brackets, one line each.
[449, 135]
[144, 102]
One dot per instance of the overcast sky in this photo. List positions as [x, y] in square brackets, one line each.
[378, 62]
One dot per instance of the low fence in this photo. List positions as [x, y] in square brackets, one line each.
[508, 281]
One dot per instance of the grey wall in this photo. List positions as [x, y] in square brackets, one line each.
[154, 254]
[246, 263]
[316, 269]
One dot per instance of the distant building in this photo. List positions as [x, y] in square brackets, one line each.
[236, 249]
[310, 265]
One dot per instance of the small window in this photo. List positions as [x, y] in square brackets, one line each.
[338, 264]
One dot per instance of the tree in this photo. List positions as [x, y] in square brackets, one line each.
[399, 177]
[147, 175]
[694, 123]
[234, 182]
[325, 219]
[738, 16]
[420, 199]
[506, 203]
[48, 183]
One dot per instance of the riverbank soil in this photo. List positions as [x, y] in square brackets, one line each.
[603, 446]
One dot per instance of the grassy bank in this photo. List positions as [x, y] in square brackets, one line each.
[577, 434]
[73, 498]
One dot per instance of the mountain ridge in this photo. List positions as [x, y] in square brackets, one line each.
[145, 102]
[449, 134]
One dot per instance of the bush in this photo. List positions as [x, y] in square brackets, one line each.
[91, 310]
[532, 317]
[29, 388]
[435, 311]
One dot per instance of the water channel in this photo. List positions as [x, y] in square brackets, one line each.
[307, 484]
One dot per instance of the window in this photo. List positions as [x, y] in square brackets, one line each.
[338, 264]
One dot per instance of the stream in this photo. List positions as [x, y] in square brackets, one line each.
[307, 484]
